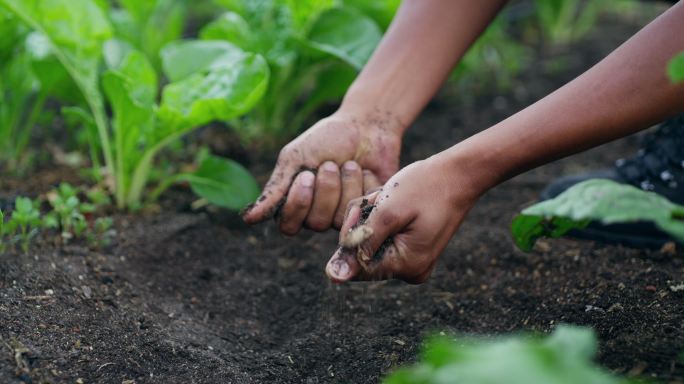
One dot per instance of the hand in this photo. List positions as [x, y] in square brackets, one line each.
[414, 215]
[338, 159]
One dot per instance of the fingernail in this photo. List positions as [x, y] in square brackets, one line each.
[351, 166]
[308, 179]
[329, 166]
[341, 269]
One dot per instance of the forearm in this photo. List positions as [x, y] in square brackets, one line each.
[424, 42]
[626, 92]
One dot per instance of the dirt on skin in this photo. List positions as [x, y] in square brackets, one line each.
[186, 297]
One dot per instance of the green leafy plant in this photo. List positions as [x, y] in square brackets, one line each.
[675, 69]
[149, 25]
[493, 61]
[599, 200]
[218, 81]
[24, 90]
[313, 49]
[564, 357]
[564, 21]
[25, 221]
[221, 83]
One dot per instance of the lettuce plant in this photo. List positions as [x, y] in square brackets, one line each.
[564, 357]
[596, 200]
[313, 48]
[22, 92]
[221, 83]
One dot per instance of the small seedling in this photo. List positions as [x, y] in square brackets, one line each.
[67, 212]
[25, 219]
[100, 235]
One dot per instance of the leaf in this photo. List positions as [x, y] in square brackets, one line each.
[304, 11]
[229, 27]
[345, 34]
[564, 357]
[596, 200]
[675, 70]
[76, 27]
[382, 11]
[114, 51]
[230, 87]
[223, 182]
[181, 59]
[50, 72]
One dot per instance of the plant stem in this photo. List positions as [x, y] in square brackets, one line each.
[24, 135]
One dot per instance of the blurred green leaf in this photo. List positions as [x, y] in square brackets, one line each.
[382, 11]
[346, 34]
[562, 358]
[151, 24]
[76, 29]
[181, 59]
[675, 70]
[230, 27]
[596, 200]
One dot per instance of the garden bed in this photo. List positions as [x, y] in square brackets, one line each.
[186, 296]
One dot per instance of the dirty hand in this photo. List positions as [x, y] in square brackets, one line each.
[316, 175]
[400, 230]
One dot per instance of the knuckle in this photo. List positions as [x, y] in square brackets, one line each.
[286, 152]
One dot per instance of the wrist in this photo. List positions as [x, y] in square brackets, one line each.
[371, 117]
[471, 170]
[374, 107]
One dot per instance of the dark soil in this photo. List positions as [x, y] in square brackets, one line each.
[200, 298]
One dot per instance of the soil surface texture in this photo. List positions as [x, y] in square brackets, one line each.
[198, 297]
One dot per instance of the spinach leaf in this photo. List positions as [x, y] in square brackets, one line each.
[600, 200]
[222, 182]
[564, 357]
[345, 34]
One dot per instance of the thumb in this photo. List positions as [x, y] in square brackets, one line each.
[366, 237]
[273, 196]
[383, 222]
